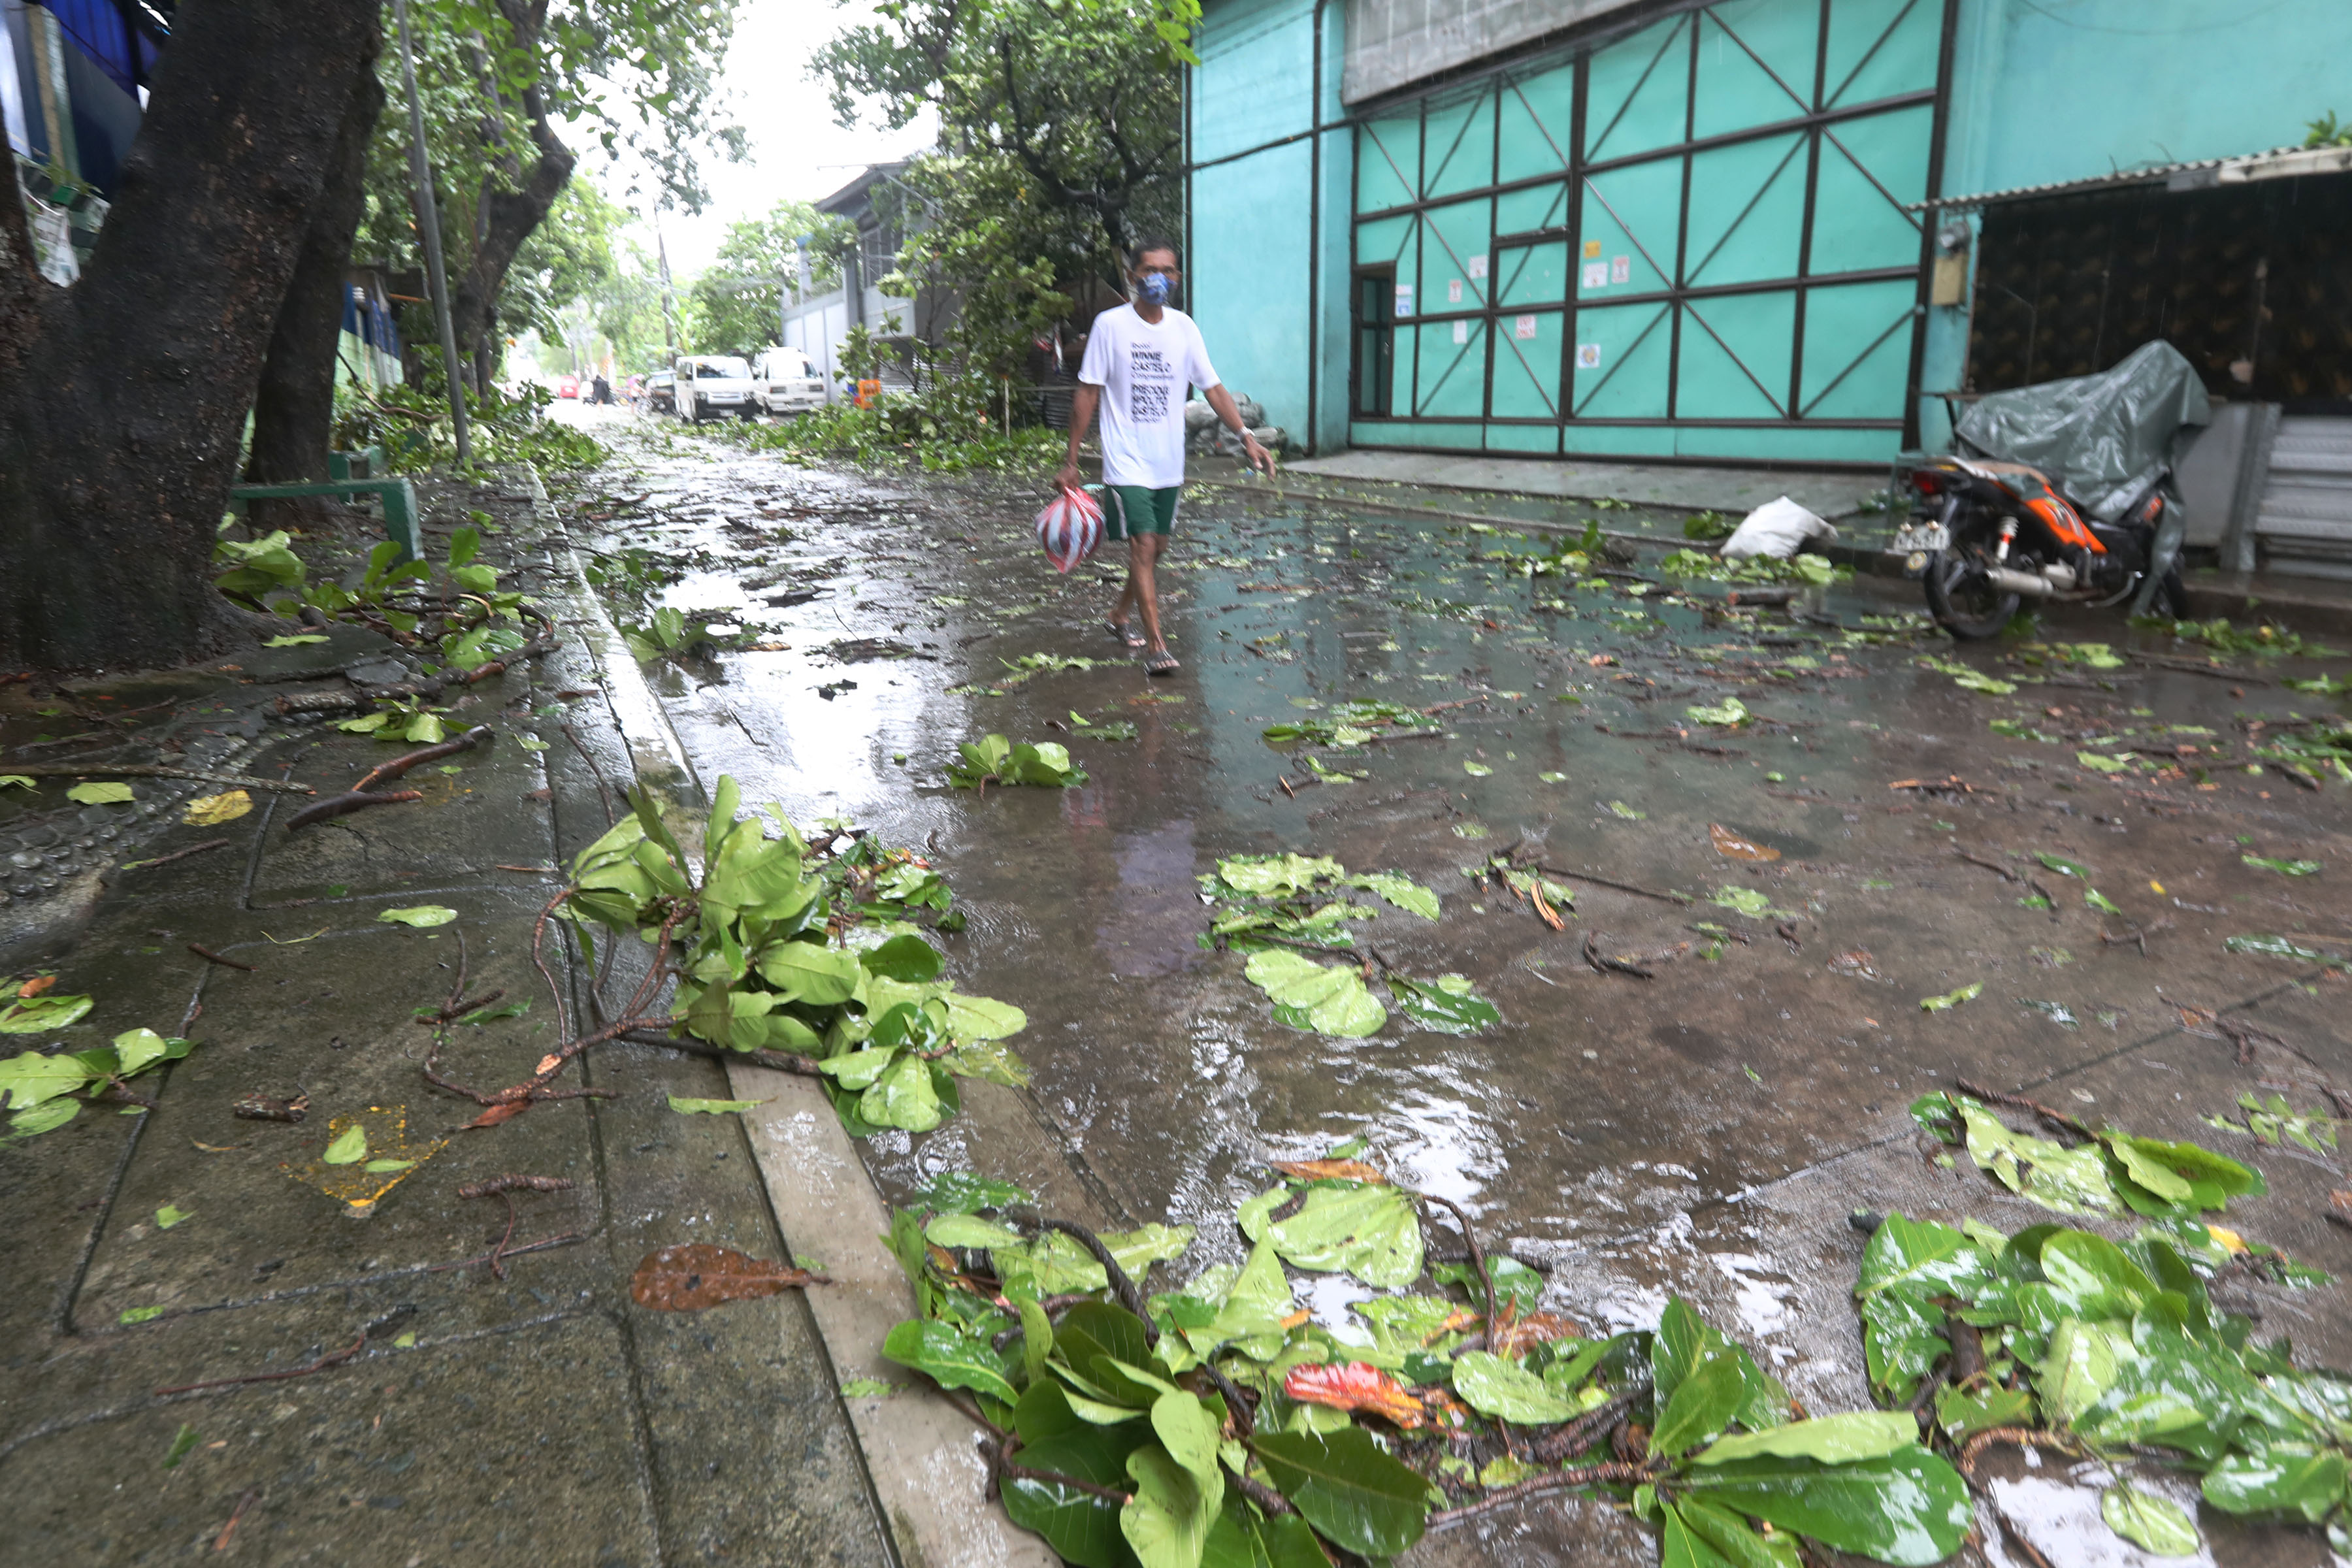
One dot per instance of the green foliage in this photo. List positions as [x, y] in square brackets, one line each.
[780, 946]
[411, 422]
[950, 422]
[44, 1091]
[993, 760]
[1365, 1441]
[2325, 131]
[1268, 906]
[2115, 1345]
[258, 568]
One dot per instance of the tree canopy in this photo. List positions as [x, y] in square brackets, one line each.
[730, 309]
[497, 78]
[1061, 139]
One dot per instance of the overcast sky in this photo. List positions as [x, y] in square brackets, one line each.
[797, 152]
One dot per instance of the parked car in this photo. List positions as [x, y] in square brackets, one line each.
[567, 386]
[713, 385]
[786, 383]
[661, 391]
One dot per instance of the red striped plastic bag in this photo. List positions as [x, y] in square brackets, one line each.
[1070, 527]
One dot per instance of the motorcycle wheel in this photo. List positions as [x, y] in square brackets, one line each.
[1963, 600]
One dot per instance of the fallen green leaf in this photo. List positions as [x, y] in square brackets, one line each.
[687, 1106]
[2157, 1524]
[108, 793]
[349, 1148]
[183, 1442]
[1951, 999]
[2284, 867]
[420, 915]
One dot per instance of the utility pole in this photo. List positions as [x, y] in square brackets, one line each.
[429, 219]
[669, 321]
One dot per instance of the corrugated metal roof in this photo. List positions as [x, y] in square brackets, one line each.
[2278, 163]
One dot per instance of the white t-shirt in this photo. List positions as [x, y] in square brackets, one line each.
[1143, 370]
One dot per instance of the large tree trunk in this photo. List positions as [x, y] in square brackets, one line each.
[511, 215]
[122, 398]
[293, 418]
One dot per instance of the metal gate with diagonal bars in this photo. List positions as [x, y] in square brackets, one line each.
[1688, 241]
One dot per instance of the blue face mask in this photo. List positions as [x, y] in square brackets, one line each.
[1154, 288]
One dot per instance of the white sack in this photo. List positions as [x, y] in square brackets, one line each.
[1775, 529]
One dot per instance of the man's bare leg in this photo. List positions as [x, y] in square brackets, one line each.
[1143, 552]
[1127, 594]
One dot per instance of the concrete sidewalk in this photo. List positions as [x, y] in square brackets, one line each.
[1672, 485]
[518, 1411]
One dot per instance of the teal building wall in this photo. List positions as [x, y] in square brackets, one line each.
[1267, 254]
[1741, 174]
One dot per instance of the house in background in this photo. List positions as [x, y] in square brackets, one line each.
[1777, 231]
[885, 211]
[73, 84]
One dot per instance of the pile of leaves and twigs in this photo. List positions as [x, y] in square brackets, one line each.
[473, 626]
[2222, 635]
[1220, 1424]
[2062, 1340]
[1351, 723]
[1268, 905]
[2106, 1172]
[806, 956]
[1023, 669]
[2102, 1171]
[940, 431]
[411, 422]
[1817, 571]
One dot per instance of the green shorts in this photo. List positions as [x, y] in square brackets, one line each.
[1131, 510]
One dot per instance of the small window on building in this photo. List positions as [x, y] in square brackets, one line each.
[1374, 365]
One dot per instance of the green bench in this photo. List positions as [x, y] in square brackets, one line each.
[398, 496]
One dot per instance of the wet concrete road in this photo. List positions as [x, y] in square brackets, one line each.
[1703, 1132]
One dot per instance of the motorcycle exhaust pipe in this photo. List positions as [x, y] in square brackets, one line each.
[2024, 583]
[2032, 585]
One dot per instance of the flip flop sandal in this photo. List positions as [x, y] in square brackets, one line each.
[1118, 630]
[1161, 663]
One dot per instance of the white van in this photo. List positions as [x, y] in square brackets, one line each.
[710, 385]
[783, 382]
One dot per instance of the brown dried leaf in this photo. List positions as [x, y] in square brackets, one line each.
[688, 1277]
[1515, 1336]
[506, 1110]
[2342, 1200]
[546, 1064]
[1355, 1386]
[35, 986]
[1730, 844]
[258, 1107]
[1460, 1317]
[1330, 1171]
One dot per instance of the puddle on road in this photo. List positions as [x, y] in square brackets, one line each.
[1606, 1110]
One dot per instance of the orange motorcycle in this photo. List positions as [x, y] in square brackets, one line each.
[1984, 537]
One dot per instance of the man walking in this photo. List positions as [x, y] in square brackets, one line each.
[1145, 355]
